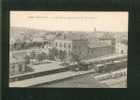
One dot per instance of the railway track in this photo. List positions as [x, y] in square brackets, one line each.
[20, 80]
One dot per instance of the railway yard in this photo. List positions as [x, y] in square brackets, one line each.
[103, 72]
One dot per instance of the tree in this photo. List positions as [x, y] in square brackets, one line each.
[56, 52]
[32, 54]
[53, 53]
[27, 59]
[62, 55]
[75, 58]
[41, 56]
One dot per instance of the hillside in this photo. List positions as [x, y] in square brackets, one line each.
[27, 34]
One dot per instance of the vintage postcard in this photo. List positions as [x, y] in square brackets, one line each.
[68, 49]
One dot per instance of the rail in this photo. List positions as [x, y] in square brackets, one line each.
[43, 73]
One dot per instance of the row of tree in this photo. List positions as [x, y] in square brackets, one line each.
[57, 54]
[53, 55]
[26, 45]
[40, 57]
[62, 55]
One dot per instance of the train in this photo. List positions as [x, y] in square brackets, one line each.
[101, 66]
[111, 66]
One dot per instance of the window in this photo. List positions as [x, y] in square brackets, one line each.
[20, 68]
[92, 51]
[69, 46]
[56, 44]
[69, 52]
[122, 51]
[88, 50]
[64, 45]
[60, 45]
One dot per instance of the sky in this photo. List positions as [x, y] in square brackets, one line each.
[71, 21]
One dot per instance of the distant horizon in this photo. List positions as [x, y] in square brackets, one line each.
[65, 30]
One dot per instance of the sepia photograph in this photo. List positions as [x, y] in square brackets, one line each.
[68, 49]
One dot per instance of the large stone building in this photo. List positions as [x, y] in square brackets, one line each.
[78, 46]
[101, 47]
[83, 47]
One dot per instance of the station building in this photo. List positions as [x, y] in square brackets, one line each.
[84, 47]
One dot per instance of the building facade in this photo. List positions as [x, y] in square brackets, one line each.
[83, 48]
[63, 45]
[101, 47]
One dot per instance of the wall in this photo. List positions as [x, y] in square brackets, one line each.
[100, 51]
[63, 45]
[121, 47]
[80, 47]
